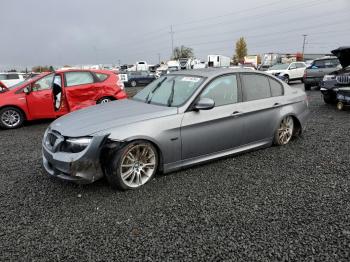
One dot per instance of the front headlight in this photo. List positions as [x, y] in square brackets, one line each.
[76, 145]
[328, 77]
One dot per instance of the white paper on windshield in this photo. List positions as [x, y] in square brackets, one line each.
[190, 79]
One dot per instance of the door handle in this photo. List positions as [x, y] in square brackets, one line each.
[276, 104]
[237, 113]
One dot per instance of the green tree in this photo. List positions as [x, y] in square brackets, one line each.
[241, 49]
[182, 52]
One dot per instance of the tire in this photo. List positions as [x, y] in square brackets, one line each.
[104, 100]
[286, 79]
[340, 106]
[11, 118]
[284, 132]
[133, 83]
[307, 87]
[132, 166]
[328, 99]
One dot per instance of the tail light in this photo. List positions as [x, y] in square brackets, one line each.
[120, 83]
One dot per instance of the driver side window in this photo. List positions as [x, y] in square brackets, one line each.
[43, 83]
[223, 90]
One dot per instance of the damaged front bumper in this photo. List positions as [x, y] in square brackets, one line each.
[83, 167]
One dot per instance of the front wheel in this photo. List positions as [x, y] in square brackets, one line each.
[11, 118]
[328, 99]
[132, 166]
[286, 79]
[133, 83]
[284, 132]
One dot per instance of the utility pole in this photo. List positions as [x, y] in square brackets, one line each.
[172, 39]
[304, 41]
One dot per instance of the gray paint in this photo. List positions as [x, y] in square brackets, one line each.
[186, 137]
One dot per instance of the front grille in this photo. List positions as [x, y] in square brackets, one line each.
[343, 79]
[51, 139]
[54, 141]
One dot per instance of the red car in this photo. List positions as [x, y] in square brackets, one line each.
[54, 94]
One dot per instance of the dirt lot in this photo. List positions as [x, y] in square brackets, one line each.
[279, 203]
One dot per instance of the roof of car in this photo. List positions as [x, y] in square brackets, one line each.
[211, 72]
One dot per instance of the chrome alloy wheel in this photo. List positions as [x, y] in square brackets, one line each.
[11, 118]
[285, 130]
[138, 165]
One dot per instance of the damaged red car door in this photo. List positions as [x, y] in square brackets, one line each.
[80, 89]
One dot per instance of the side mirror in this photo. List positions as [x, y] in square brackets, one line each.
[204, 104]
[26, 90]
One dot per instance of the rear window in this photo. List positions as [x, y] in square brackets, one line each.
[101, 77]
[319, 63]
[255, 87]
[78, 78]
[276, 87]
[12, 76]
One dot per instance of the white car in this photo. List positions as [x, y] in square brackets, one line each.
[11, 79]
[288, 72]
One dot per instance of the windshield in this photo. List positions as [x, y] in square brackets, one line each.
[170, 90]
[279, 67]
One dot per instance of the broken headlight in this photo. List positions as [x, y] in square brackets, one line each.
[76, 145]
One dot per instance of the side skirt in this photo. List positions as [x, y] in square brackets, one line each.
[171, 167]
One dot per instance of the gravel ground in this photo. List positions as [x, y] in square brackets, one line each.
[282, 203]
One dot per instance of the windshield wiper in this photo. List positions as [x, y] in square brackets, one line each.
[148, 98]
[171, 97]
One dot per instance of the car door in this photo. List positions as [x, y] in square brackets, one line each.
[293, 71]
[259, 107]
[80, 89]
[40, 99]
[300, 69]
[209, 131]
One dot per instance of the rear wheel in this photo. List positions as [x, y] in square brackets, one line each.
[307, 86]
[11, 117]
[284, 132]
[132, 166]
[104, 100]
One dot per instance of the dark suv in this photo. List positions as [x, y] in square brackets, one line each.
[314, 74]
[338, 78]
[136, 78]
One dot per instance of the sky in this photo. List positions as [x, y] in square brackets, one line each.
[73, 32]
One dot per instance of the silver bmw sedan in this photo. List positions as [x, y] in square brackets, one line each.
[181, 119]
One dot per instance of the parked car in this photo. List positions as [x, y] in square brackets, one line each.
[288, 72]
[138, 78]
[338, 79]
[315, 72]
[181, 119]
[54, 94]
[10, 79]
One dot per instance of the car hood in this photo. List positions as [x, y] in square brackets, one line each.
[102, 117]
[343, 54]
